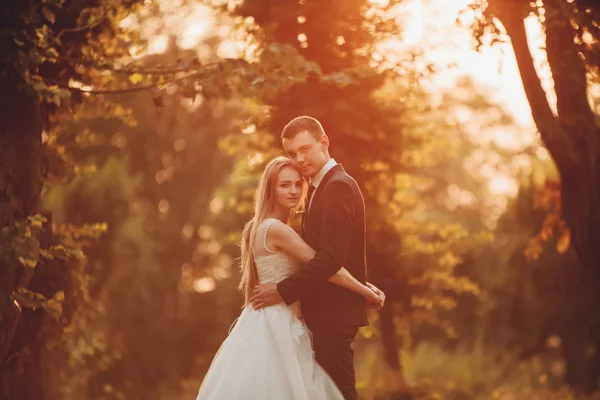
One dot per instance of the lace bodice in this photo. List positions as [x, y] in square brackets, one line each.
[275, 266]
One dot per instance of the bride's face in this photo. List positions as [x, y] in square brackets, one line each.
[288, 190]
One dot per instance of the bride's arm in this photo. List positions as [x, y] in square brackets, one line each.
[286, 239]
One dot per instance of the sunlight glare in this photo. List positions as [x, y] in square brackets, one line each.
[216, 205]
[205, 232]
[429, 26]
[228, 49]
[249, 129]
[187, 232]
[158, 44]
[163, 206]
[204, 285]
[503, 185]
[129, 22]
[193, 34]
[413, 24]
[378, 3]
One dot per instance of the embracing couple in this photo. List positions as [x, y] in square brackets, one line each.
[305, 297]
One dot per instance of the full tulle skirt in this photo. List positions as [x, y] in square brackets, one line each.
[267, 356]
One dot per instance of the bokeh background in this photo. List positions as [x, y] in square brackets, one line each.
[133, 133]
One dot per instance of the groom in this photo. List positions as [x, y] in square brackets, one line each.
[334, 225]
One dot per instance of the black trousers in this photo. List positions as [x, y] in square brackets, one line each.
[333, 351]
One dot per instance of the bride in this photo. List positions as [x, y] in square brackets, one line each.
[268, 354]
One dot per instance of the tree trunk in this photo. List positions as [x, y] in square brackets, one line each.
[20, 190]
[572, 138]
[382, 274]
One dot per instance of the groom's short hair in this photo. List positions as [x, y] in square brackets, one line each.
[301, 124]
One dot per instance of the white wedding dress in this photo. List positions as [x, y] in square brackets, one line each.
[268, 354]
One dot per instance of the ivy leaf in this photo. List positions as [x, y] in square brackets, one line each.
[49, 15]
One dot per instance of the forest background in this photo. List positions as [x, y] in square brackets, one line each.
[133, 133]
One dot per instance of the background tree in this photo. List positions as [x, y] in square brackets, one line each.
[571, 136]
[58, 55]
[376, 131]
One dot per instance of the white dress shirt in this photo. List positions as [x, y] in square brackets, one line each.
[316, 180]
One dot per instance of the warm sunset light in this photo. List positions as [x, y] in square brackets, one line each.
[204, 285]
[300, 199]
[430, 27]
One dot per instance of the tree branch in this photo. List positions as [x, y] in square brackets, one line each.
[109, 67]
[79, 29]
[118, 91]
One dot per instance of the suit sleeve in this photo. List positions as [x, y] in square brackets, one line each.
[334, 241]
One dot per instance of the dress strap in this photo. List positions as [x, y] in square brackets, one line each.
[268, 222]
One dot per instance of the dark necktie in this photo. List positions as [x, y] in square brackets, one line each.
[311, 190]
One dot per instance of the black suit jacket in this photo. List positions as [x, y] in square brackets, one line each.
[335, 227]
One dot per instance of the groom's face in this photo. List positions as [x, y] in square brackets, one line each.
[307, 153]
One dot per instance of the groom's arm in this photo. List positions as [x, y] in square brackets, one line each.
[335, 236]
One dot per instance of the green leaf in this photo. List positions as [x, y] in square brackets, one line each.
[39, 86]
[25, 247]
[33, 300]
[62, 93]
[28, 262]
[27, 298]
[135, 78]
[63, 253]
[36, 221]
[188, 91]
[49, 15]
[53, 308]
[59, 296]
[46, 254]
[563, 243]
[52, 52]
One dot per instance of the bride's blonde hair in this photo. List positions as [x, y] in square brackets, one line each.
[263, 206]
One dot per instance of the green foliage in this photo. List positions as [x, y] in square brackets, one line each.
[20, 247]
[29, 299]
[119, 272]
[154, 177]
[484, 373]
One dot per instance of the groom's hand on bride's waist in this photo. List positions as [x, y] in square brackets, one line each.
[265, 295]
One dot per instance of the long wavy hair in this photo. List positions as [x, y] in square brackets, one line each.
[263, 206]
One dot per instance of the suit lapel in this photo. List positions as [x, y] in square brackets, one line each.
[306, 215]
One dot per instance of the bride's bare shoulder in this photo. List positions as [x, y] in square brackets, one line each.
[281, 230]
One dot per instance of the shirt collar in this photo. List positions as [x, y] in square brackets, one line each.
[316, 181]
